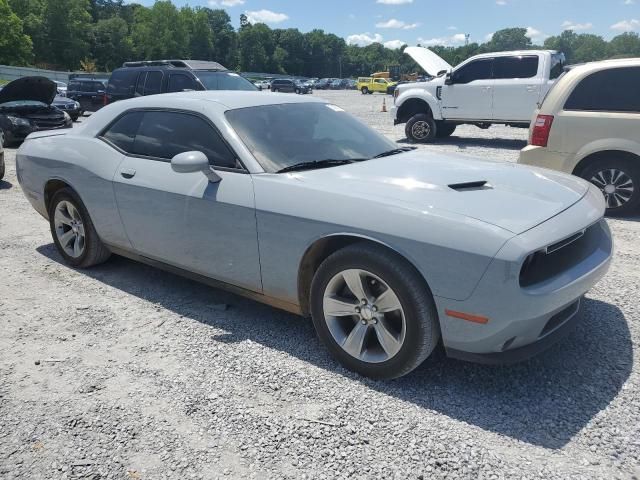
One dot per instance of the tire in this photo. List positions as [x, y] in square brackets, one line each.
[364, 90]
[91, 250]
[298, 91]
[2, 168]
[414, 326]
[370, 92]
[445, 130]
[618, 177]
[421, 128]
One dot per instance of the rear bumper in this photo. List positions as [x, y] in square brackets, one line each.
[543, 157]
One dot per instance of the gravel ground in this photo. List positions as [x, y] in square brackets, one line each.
[124, 371]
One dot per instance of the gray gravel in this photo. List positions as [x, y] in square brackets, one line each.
[124, 371]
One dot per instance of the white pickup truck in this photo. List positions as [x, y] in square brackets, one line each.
[502, 87]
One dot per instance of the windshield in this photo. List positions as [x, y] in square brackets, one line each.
[280, 136]
[224, 81]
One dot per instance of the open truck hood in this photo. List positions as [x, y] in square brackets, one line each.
[429, 61]
[39, 89]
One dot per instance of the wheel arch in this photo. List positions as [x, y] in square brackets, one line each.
[589, 158]
[52, 186]
[323, 247]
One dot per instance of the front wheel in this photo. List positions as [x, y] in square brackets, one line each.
[421, 128]
[364, 90]
[373, 311]
[73, 232]
[618, 178]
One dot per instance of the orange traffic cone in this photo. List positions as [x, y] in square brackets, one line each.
[384, 104]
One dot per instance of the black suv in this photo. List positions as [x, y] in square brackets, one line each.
[289, 85]
[135, 79]
[87, 92]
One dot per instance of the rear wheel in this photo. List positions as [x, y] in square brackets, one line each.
[73, 232]
[364, 90]
[444, 130]
[618, 178]
[421, 128]
[373, 311]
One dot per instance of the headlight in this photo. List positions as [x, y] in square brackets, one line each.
[18, 121]
[76, 104]
[67, 118]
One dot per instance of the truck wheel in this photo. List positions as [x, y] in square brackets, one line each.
[444, 130]
[421, 128]
[364, 90]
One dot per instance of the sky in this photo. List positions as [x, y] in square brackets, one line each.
[434, 22]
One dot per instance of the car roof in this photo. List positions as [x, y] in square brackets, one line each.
[513, 53]
[215, 102]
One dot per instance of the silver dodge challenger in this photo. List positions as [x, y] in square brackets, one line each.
[293, 202]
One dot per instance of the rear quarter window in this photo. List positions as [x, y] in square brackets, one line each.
[613, 90]
[122, 132]
[122, 82]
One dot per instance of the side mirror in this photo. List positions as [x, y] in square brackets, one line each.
[448, 79]
[191, 162]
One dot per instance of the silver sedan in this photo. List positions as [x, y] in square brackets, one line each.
[293, 202]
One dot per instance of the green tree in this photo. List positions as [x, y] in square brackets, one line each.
[111, 43]
[255, 48]
[509, 39]
[159, 32]
[15, 46]
[624, 45]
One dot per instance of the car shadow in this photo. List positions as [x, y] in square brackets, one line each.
[544, 401]
[466, 142]
[4, 185]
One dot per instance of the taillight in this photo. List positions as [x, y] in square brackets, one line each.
[105, 99]
[541, 130]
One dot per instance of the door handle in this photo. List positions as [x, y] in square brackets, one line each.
[127, 172]
[531, 88]
[486, 89]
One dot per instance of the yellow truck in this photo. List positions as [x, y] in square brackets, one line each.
[371, 84]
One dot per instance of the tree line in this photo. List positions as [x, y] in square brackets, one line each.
[102, 34]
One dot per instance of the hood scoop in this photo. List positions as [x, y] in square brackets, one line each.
[467, 186]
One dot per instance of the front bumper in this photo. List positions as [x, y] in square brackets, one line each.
[526, 319]
[17, 134]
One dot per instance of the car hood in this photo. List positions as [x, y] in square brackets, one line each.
[514, 197]
[429, 61]
[62, 101]
[39, 89]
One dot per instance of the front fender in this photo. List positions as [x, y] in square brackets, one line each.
[420, 94]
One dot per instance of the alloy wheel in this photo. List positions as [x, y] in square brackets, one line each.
[420, 130]
[616, 186]
[364, 316]
[69, 229]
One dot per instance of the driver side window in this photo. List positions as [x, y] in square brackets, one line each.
[476, 70]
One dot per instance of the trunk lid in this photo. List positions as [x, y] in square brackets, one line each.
[38, 89]
[513, 197]
[429, 61]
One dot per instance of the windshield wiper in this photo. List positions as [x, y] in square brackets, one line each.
[395, 151]
[329, 162]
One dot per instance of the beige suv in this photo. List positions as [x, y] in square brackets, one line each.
[589, 125]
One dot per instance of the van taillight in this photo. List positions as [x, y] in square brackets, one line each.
[541, 130]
